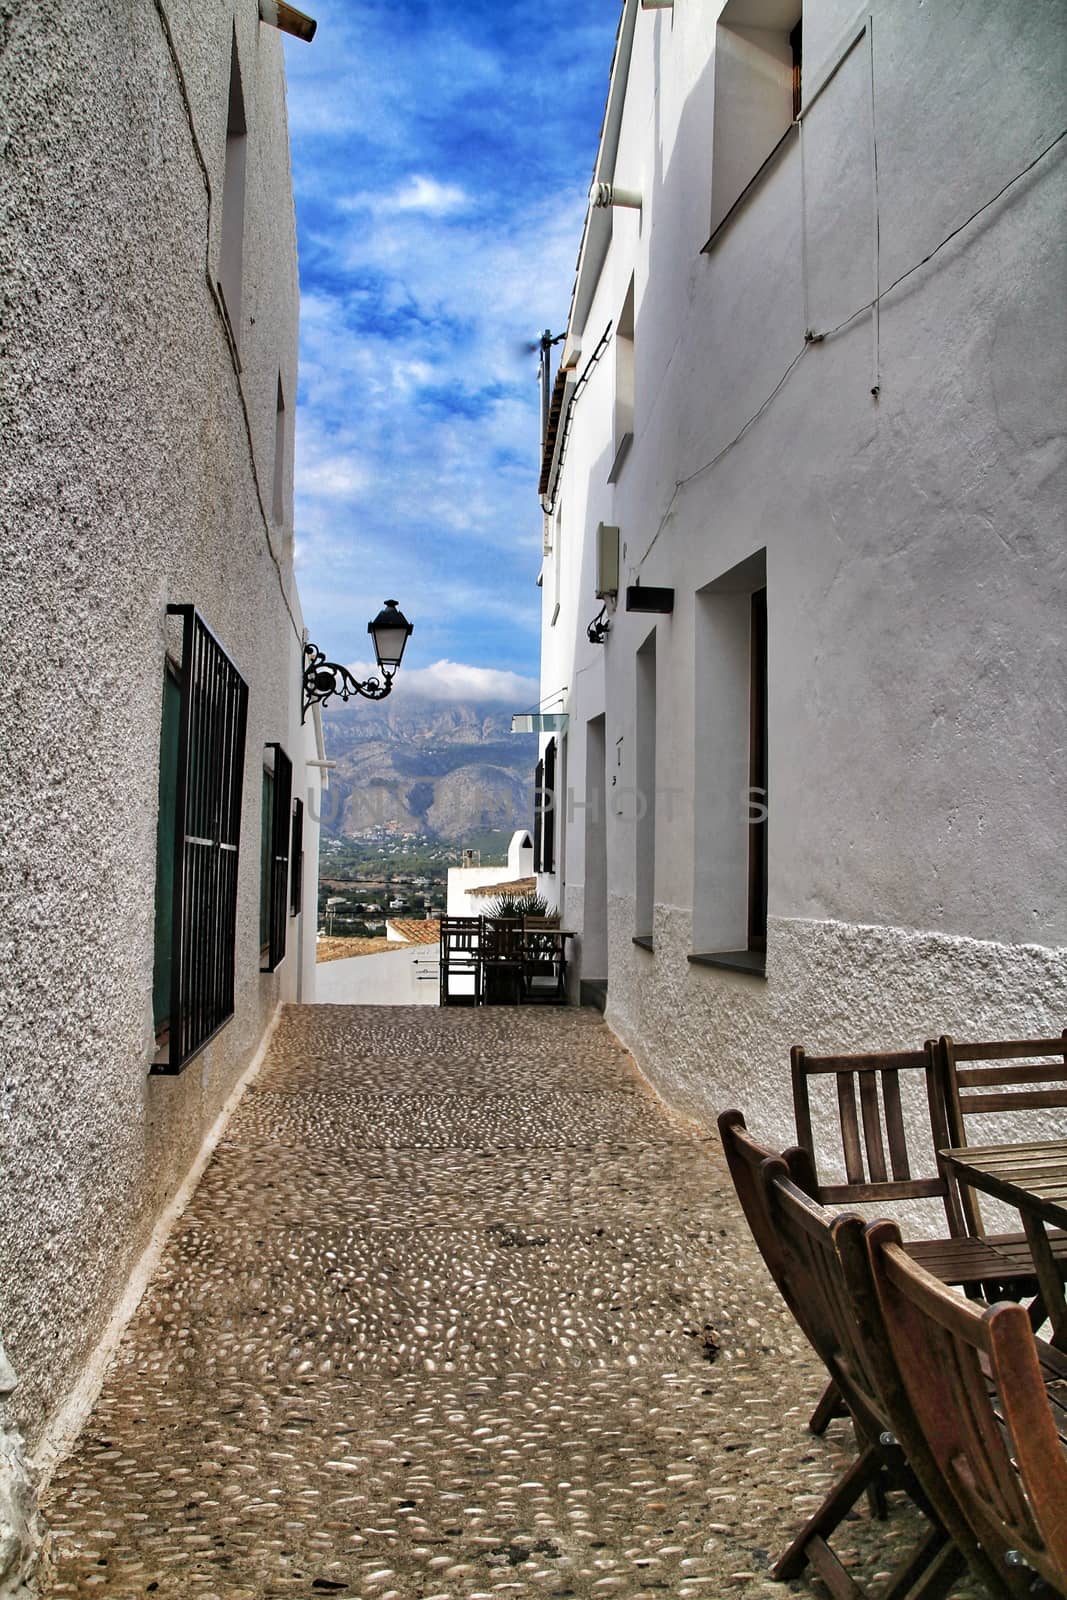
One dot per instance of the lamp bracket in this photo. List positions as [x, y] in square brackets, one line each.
[323, 679]
[600, 626]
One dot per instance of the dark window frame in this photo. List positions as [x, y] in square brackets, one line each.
[209, 786]
[548, 810]
[296, 861]
[276, 889]
[538, 830]
[758, 774]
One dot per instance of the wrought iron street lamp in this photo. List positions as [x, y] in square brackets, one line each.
[390, 631]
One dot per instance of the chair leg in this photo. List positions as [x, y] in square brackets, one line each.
[830, 1406]
[930, 1573]
[834, 1509]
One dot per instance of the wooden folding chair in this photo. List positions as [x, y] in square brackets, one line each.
[992, 1403]
[879, 1166]
[502, 960]
[461, 961]
[1014, 1075]
[544, 960]
[801, 1243]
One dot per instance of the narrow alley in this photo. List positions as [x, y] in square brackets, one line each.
[458, 1310]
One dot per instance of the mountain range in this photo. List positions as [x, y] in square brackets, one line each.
[415, 765]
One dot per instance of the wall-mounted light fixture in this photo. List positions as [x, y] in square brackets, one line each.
[639, 598]
[390, 631]
[600, 626]
[609, 194]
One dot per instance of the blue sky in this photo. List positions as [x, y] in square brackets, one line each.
[442, 155]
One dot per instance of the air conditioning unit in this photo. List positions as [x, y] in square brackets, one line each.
[607, 561]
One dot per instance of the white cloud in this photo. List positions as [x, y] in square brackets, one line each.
[419, 194]
[426, 195]
[455, 681]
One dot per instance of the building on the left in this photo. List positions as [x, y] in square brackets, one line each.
[158, 789]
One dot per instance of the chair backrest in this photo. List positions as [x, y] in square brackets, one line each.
[799, 1241]
[1013, 1075]
[745, 1157]
[811, 1242]
[460, 936]
[874, 1147]
[503, 939]
[1012, 1490]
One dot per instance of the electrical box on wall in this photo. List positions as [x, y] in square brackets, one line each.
[607, 561]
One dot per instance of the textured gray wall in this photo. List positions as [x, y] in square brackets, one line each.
[133, 456]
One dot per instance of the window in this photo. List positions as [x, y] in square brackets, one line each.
[296, 879]
[205, 703]
[275, 841]
[545, 811]
[624, 384]
[548, 810]
[278, 497]
[731, 770]
[231, 251]
[645, 796]
[757, 93]
[539, 802]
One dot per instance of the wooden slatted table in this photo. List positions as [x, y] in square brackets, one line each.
[1033, 1179]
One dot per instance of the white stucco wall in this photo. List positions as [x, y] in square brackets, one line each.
[462, 881]
[393, 978]
[913, 543]
[138, 465]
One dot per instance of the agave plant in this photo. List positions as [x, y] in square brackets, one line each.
[520, 905]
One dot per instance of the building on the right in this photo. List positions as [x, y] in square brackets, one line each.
[805, 574]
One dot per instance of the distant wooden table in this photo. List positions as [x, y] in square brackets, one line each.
[1033, 1179]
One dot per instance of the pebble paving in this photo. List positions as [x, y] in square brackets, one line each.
[459, 1311]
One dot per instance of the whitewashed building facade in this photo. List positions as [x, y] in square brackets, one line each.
[155, 794]
[813, 392]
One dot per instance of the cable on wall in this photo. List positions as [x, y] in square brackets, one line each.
[183, 88]
[820, 338]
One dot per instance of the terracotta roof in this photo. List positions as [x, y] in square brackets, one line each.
[414, 931]
[339, 949]
[515, 886]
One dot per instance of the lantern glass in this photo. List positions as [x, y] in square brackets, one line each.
[389, 630]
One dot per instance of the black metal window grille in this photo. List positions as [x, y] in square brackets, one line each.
[296, 876]
[548, 810]
[207, 830]
[539, 832]
[278, 829]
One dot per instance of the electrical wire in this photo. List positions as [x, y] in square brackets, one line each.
[820, 338]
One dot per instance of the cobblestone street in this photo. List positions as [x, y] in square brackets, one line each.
[457, 1312]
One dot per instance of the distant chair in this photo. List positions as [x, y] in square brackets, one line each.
[461, 961]
[544, 960]
[502, 960]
